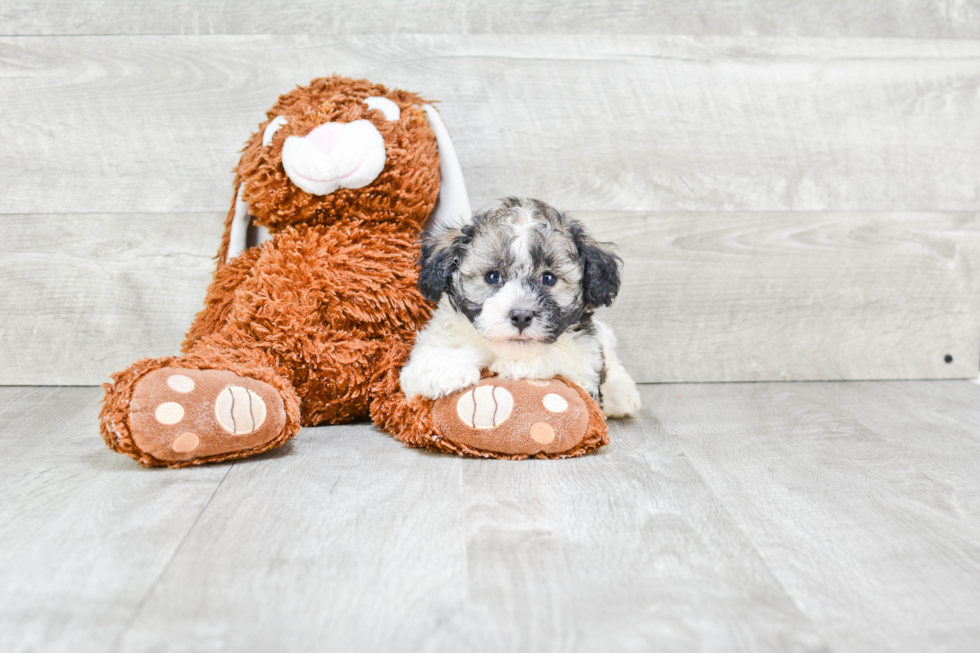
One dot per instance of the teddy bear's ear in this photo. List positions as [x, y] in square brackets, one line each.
[442, 250]
[453, 204]
[244, 233]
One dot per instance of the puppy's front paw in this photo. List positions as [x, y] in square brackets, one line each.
[435, 373]
[620, 398]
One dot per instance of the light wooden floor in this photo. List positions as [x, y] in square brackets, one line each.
[750, 517]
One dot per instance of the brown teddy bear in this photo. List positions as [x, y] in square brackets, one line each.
[313, 307]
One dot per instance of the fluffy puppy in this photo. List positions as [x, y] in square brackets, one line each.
[516, 289]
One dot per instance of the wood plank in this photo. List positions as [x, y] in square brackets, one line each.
[86, 533]
[353, 542]
[152, 124]
[796, 296]
[347, 541]
[756, 517]
[706, 296]
[83, 296]
[897, 18]
[624, 550]
[941, 442]
[877, 554]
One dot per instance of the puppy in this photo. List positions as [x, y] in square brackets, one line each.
[516, 289]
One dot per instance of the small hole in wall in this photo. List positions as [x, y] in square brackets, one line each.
[948, 358]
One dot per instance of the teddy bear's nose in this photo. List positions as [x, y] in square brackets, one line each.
[326, 137]
[334, 155]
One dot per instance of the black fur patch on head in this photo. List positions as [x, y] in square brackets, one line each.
[470, 310]
[441, 254]
[600, 269]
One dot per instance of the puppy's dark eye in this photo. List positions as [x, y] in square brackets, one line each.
[493, 277]
[548, 279]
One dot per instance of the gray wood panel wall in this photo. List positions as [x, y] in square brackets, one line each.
[793, 186]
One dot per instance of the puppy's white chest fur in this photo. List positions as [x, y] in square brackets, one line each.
[577, 357]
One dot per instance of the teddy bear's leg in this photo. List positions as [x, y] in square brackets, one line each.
[220, 297]
[205, 407]
[496, 418]
[305, 316]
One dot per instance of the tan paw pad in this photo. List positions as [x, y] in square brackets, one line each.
[180, 414]
[542, 433]
[526, 416]
[185, 442]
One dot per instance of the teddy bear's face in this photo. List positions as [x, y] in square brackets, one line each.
[341, 149]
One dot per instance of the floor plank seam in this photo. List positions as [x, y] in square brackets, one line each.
[765, 563]
[149, 593]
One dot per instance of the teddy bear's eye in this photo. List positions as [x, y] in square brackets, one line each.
[493, 277]
[385, 106]
[548, 279]
[271, 129]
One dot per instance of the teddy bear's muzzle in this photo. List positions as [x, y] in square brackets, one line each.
[334, 155]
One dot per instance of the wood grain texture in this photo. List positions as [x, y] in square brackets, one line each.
[754, 517]
[152, 124]
[82, 296]
[344, 541]
[85, 534]
[604, 553]
[706, 296]
[118, 150]
[830, 483]
[347, 540]
[796, 296]
[897, 18]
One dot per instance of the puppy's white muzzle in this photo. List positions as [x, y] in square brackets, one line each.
[334, 155]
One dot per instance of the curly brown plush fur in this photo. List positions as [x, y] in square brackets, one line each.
[326, 311]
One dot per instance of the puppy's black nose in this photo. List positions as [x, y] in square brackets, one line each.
[521, 318]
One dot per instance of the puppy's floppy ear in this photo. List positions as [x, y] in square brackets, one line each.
[600, 269]
[442, 250]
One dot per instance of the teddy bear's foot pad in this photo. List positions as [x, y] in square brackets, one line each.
[511, 417]
[180, 414]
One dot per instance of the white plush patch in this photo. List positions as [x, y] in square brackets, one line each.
[180, 383]
[555, 403]
[335, 155]
[239, 411]
[169, 413]
[485, 407]
[244, 233]
[239, 227]
[271, 129]
[453, 205]
[385, 106]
